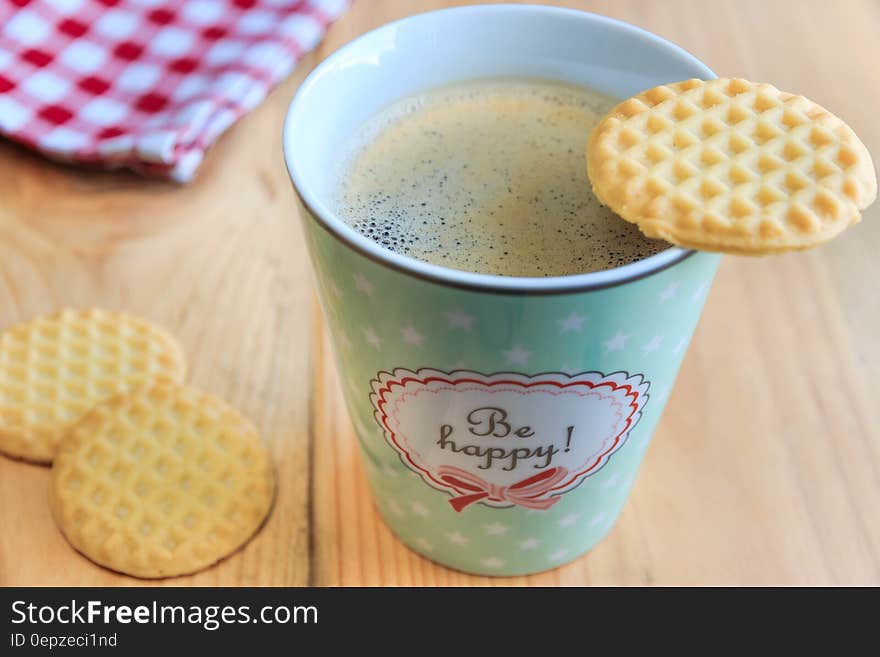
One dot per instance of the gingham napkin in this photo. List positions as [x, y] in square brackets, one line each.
[145, 84]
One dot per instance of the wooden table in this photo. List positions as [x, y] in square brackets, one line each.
[765, 468]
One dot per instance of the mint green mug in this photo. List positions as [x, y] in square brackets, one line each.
[501, 420]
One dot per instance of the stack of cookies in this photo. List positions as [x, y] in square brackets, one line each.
[149, 477]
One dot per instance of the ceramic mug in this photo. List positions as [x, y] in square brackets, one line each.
[501, 420]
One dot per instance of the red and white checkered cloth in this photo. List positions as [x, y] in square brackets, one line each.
[145, 84]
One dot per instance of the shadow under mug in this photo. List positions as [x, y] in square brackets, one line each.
[501, 420]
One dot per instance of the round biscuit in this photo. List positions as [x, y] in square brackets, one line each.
[731, 166]
[54, 369]
[164, 481]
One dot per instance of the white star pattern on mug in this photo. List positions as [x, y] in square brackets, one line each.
[412, 336]
[669, 292]
[459, 319]
[558, 555]
[373, 339]
[496, 529]
[573, 322]
[344, 340]
[362, 284]
[569, 520]
[653, 345]
[517, 355]
[611, 481]
[617, 343]
[696, 296]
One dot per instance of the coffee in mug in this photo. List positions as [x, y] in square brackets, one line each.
[487, 176]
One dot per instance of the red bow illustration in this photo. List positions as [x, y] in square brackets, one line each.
[523, 493]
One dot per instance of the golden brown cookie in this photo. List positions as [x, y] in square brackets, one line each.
[164, 481]
[730, 165]
[54, 369]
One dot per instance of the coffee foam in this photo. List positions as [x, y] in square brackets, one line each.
[487, 176]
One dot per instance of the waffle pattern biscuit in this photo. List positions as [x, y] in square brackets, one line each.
[54, 369]
[730, 165]
[162, 482]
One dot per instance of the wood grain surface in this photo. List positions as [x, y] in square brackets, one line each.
[765, 468]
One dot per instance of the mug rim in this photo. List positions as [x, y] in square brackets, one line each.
[329, 220]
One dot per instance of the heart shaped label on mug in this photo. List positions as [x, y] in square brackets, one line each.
[506, 439]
